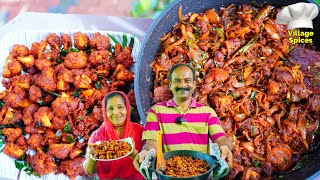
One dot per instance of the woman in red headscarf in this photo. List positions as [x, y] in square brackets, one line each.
[116, 125]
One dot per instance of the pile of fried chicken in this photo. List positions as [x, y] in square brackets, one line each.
[241, 59]
[52, 102]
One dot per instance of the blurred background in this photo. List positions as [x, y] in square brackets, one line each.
[134, 8]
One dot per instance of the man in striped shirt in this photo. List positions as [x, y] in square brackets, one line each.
[184, 123]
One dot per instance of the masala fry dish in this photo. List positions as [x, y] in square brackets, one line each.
[54, 90]
[242, 71]
[185, 166]
[111, 149]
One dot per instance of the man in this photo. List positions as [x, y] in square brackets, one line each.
[184, 123]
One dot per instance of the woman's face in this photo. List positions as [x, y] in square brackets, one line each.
[116, 111]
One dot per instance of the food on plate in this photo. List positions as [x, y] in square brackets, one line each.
[52, 98]
[111, 149]
[241, 58]
[185, 166]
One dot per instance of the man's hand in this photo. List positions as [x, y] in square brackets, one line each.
[226, 154]
[139, 158]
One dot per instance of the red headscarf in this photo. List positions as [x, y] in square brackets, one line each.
[128, 125]
[122, 168]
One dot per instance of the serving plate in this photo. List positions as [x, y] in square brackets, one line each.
[27, 38]
[128, 140]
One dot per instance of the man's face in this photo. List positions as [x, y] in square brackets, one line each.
[182, 84]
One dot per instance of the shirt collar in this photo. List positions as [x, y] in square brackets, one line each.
[171, 103]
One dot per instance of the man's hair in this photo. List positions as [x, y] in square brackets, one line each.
[181, 65]
[111, 95]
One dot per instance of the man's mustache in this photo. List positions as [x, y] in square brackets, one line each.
[183, 89]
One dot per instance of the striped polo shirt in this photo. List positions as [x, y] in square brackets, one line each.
[201, 124]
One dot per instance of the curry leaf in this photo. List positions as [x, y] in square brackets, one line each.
[113, 39]
[124, 40]
[131, 42]
[1, 103]
[2, 144]
[74, 49]
[253, 95]
[63, 52]
[220, 33]
[70, 139]
[67, 127]
[53, 94]
[89, 111]
[20, 164]
[87, 49]
[76, 93]
[97, 85]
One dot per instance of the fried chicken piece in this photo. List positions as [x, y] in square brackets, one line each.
[66, 41]
[82, 81]
[72, 168]
[52, 55]
[12, 134]
[58, 123]
[35, 141]
[13, 68]
[28, 61]
[42, 163]
[22, 81]
[37, 49]
[35, 93]
[44, 115]
[124, 57]
[90, 96]
[20, 51]
[64, 78]
[100, 42]
[76, 60]
[81, 40]
[16, 150]
[51, 138]
[64, 105]
[60, 151]
[99, 57]
[47, 79]
[17, 98]
[75, 152]
[54, 41]
[6, 115]
[28, 113]
[42, 63]
[122, 74]
[32, 129]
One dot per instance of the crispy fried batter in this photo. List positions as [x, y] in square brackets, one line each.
[66, 41]
[60, 151]
[122, 74]
[16, 150]
[12, 134]
[81, 40]
[20, 51]
[17, 98]
[35, 141]
[64, 105]
[44, 115]
[54, 41]
[72, 168]
[47, 79]
[42, 163]
[75, 60]
[42, 63]
[100, 42]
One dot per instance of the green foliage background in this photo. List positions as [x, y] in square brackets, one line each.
[148, 8]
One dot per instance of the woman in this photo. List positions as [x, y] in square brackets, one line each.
[116, 125]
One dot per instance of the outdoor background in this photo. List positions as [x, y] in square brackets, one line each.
[134, 8]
